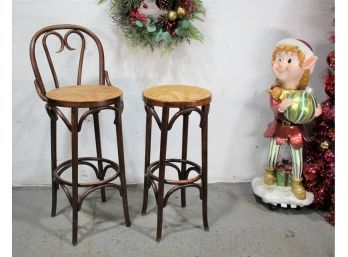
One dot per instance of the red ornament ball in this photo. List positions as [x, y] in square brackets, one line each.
[331, 59]
[319, 197]
[329, 156]
[310, 171]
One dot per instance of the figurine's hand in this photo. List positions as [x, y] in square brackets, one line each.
[318, 111]
[275, 92]
[285, 104]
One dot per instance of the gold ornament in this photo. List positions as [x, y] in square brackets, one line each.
[172, 15]
[325, 145]
[181, 12]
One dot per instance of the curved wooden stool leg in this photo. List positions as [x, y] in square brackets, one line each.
[55, 184]
[204, 135]
[183, 174]
[119, 136]
[147, 159]
[99, 153]
[163, 149]
[74, 161]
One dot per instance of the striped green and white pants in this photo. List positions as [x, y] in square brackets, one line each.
[296, 154]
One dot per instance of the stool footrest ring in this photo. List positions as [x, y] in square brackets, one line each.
[57, 172]
[178, 184]
[92, 186]
[169, 162]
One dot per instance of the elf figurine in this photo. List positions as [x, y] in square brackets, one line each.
[293, 106]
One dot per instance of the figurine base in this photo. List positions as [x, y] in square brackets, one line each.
[276, 196]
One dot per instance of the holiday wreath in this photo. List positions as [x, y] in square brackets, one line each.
[158, 23]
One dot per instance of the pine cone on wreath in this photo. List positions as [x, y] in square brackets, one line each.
[164, 4]
[162, 21]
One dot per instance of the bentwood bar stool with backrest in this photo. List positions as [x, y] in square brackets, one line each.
[187, 99]
[98, 97]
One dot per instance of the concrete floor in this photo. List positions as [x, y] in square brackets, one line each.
[239, 226]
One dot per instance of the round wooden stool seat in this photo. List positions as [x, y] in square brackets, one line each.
[176, 96]
[84, 96]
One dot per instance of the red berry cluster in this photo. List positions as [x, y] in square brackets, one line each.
[134, 15]
[171, 25]
[189, 7]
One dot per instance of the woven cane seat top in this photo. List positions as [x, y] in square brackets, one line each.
[84, 96]
[176, 96]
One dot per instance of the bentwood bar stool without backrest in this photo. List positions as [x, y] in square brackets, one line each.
[96, 98]
[187, 99]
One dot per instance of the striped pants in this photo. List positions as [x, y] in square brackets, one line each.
[296, 154]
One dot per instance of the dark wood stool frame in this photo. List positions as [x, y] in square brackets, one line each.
[115, 104]
[165, 124]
